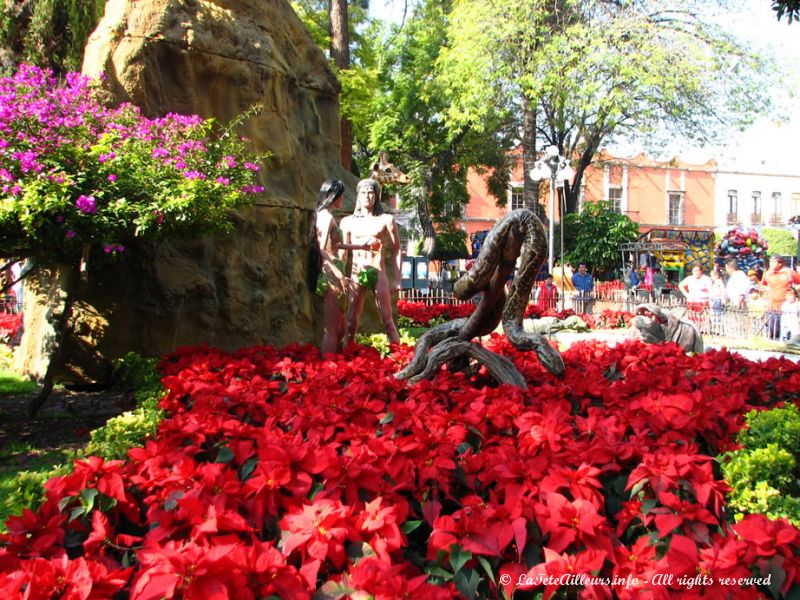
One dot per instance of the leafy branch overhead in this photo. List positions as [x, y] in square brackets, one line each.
[600, 71]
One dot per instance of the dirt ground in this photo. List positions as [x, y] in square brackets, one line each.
[63, 422]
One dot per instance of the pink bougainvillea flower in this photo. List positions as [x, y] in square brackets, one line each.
[86, 204]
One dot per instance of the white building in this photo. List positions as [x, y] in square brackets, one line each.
[751, 193]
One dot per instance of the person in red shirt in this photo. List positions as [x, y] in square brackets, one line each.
[548, 294]
[777, 280]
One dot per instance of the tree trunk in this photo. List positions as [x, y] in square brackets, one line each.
[574, 190]
[340, 52]
[426, 223]
[530, 189]
[62, 330]
[424, 216]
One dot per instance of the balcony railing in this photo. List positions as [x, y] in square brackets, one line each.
[776, 220]
[732, 218]
[755, 219]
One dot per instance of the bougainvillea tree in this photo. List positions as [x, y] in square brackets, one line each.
[81, 182]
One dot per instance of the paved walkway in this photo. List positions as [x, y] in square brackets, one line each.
[612, 337]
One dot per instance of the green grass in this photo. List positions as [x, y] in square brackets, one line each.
[19, 457]
[12, 384]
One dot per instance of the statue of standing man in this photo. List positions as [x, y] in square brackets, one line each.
[368, 269]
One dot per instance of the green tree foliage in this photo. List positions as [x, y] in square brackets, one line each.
[595, 234]
[48, 33]
[396, 104]
[601, 71]
[409, 123]
[359, 79]
[787, 8]
[451, 244]
[781, 241]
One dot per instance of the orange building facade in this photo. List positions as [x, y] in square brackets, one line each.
[652, 193]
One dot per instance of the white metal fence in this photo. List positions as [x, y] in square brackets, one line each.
[727, 322]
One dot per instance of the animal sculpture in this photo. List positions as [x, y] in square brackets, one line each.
[653, 325]
[518, 234]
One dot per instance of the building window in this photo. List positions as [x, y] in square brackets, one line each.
[733, 202]
[517, 200]
[615, 199]
[795, 204]
[777, 209]
[676, 212]
[755, 218]
[733, 207]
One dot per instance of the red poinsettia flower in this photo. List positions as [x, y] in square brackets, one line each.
[373, 578]
[191, 571]
[319, 530]
[473, 528]
[581, 483]
[378, 524]
[573, 521]
[40, 579]
[268, 573]
[568, 570]
[768, 537]
[634, 570]
[37, 534]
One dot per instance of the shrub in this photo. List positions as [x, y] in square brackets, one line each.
[114, 439]
[764, 473]
[380, 341]
[121, 433]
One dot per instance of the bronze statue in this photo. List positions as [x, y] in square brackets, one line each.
[518, 234]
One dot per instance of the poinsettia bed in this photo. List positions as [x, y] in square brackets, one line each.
[278, 474]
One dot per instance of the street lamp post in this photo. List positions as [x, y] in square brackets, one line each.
[556, 167]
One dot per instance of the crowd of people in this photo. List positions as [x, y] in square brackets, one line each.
[770, 298]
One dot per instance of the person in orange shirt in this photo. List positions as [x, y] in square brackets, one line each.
[777, 280]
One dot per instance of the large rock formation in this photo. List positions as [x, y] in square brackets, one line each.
[216, 58]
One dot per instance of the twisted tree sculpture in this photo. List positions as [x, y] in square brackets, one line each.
[520, 233]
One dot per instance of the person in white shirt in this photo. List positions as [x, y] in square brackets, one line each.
[790, 315]
[696, 288]
[738, 286]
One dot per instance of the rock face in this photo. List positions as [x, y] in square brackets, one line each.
[216, 58]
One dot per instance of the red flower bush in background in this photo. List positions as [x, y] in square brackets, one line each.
[421, 314]
[424, 315]
[280, 474]
[602, 288]
[10, 325]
